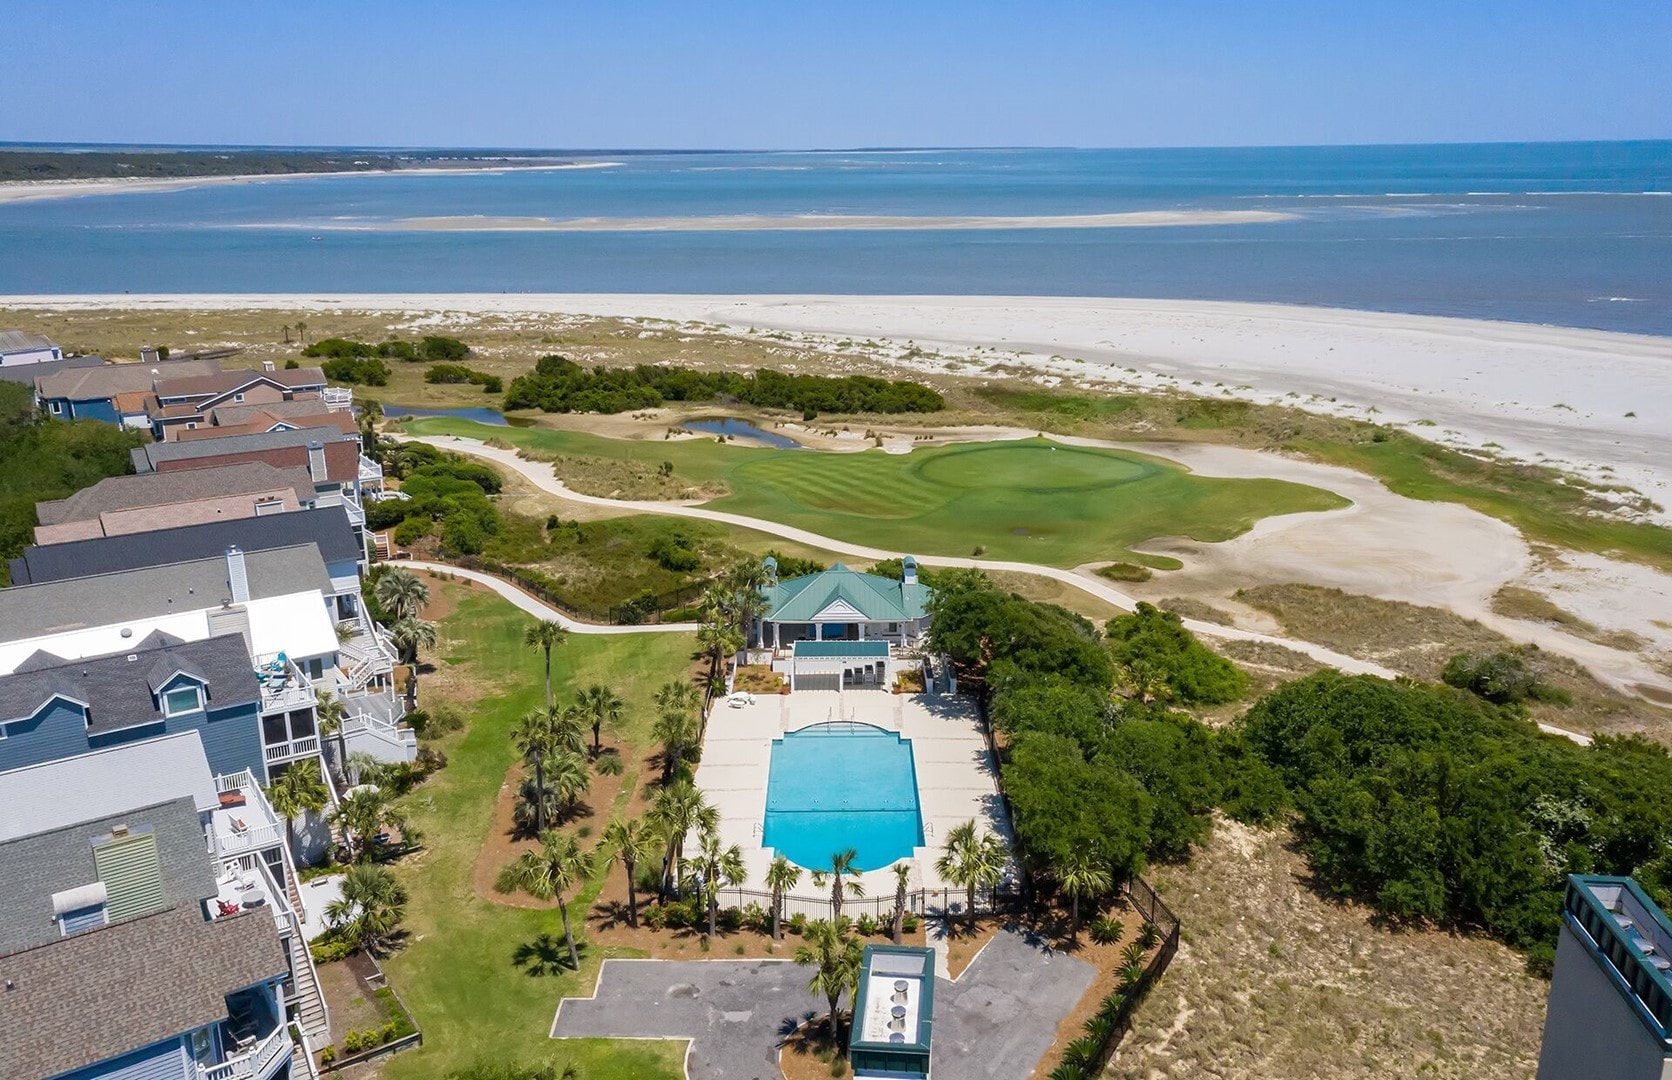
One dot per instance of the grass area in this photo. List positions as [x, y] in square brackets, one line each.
[459, 973]
[1030, 500]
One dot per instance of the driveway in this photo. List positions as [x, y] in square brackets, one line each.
[994, 1023]
[734, 1011]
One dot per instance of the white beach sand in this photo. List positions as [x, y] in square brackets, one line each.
[15, 191]
[793, 222]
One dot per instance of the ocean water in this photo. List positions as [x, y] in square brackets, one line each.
[1576, 234]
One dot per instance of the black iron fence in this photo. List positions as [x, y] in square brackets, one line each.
[919, 902]
[1150, 907]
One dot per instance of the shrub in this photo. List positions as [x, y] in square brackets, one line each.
[908, 924]
[1502, 678]
[351, 1043]
[1125, 571]
[1149, 936]
[1160, 658]
[370, 372]
[1106, 930]
[328, 949]
[798, 923]
[411, 530]
[655, 916]
[866, 924]
[1133, 953]
[390, 1032]
[730, 920]
[328, 1055]
[755, 917]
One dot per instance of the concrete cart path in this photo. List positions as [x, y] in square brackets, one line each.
[542, 610]
[994, 1023]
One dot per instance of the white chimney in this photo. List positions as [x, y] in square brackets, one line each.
[316, 462]
[237, 575]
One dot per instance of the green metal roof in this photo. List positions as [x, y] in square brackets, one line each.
[925, 962]
[876, 598]
[840, 648]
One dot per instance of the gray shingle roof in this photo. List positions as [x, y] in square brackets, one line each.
[96, 995]
[108, 380]
[164, 489]
[34, 867]
[146, 458]
[23, 341]
[326, 527]
[28, 611]
[112, 781]
[28, 373]
[120, 688]
[233, 415]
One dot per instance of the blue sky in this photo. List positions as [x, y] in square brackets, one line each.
[790, 74]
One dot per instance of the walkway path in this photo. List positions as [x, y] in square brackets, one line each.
[994, 1023]
[542, 610]
[540, 474]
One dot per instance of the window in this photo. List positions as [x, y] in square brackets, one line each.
[237, 397]
[57, 408]
[187, 699]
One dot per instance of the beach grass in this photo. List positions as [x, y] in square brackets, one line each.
[459, 971]
[1029, 500]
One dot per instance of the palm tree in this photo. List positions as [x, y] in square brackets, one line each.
[401, 594]
[559, 865]
[536, 803]
[370, 908]
[747, 578]
[329, 710]
[715, 868]
[676, 695]
[719, 638]
[842, 862]
[630, 841]
[836, 959]
[568, 778]
[677, 733]
[902, 878]
[539, 736]
[600, 705]
[678, 809]
[362, 815]
[545, 635]
[410, 635]
[1081, 874]
[971, 859]
[781, 877]
[299, 790]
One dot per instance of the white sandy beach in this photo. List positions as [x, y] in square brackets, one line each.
[793, 222]
[16, 191]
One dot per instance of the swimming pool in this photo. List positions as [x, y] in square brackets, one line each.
[841, 785]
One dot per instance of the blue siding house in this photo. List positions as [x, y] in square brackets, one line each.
[91, 393]
[52, 708]
[126, 916]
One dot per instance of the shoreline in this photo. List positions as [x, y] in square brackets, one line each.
[1595, 403]
[21, 191]
[794, 222]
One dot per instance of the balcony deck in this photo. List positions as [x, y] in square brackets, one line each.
[250, 826]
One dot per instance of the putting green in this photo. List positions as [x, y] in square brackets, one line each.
[1031, 500]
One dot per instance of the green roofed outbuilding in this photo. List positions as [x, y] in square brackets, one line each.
[841, 604]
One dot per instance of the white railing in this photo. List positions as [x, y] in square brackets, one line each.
[254, 838]
[337, 397]
[370, 471]
[294, 749]
[257, 1063]
[263, 833]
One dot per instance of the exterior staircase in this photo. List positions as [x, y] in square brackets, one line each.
[314, 1018]
[309, 1000]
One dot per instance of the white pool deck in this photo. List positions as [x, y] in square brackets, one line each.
[955, 778]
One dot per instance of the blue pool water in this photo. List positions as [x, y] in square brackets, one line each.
[836, 786]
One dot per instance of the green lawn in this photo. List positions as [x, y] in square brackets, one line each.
[458, 973]
[1031, 500]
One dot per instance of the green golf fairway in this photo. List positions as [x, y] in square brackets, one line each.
[1030, 500]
